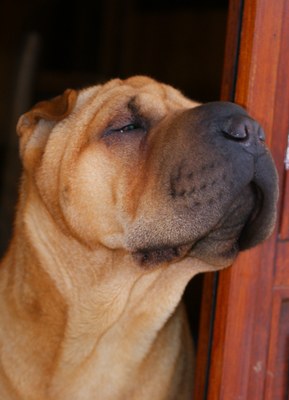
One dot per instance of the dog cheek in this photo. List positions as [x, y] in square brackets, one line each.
[88, 203]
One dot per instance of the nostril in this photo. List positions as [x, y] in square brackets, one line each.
[243, 129]
[237, 132]
[240, 133]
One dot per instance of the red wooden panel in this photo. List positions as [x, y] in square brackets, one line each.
[282, 265]
[244, 303]
[231, 49]
[277, 384]
[284, 229]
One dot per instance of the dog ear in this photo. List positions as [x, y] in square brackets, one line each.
[35, 126]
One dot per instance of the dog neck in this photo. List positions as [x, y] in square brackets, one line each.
[81, 310]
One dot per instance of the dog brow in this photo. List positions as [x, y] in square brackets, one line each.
[132, 106]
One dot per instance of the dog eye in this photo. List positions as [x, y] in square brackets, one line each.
[130, 127]
[126, 130]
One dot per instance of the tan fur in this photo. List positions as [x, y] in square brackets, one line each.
[80, 319]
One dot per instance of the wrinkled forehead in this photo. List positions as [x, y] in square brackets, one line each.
[145, 93]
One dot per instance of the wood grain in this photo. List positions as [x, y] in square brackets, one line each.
[245, 324]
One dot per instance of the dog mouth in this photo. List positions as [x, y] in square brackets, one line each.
[221, 244]
[254, 216]
[153, 256]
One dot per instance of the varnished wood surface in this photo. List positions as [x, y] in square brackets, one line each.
[249, 358]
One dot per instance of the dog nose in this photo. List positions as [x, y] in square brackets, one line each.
[242, 128]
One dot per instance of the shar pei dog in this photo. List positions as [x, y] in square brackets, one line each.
[128, 190]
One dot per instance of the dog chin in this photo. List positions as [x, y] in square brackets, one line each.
[151, 257]
[218, 257]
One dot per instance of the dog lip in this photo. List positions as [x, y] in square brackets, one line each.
[263, 218]
[259, 199]
[220, 244]
[150, 257]
[253, 217]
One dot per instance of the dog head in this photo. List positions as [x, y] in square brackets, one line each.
[135, 165]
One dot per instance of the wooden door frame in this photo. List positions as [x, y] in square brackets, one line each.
[257, 51]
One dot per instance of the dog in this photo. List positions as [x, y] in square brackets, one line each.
[129, 189]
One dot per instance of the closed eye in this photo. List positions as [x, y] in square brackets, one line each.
[129, 127]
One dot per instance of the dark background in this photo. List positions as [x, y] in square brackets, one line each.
[49, 45]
